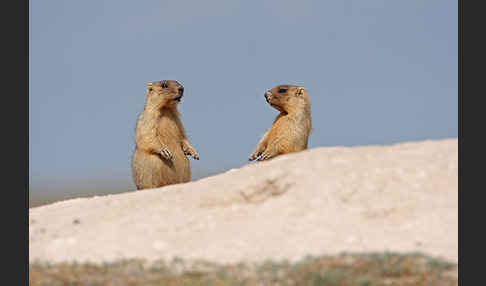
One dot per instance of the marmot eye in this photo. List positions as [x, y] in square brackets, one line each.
[164, 85]
[150, 89]
[282, 90]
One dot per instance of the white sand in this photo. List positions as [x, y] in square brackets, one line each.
[322, 201]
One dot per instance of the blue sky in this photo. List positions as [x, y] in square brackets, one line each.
[377, 72]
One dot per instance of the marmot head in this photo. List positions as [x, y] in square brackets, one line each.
[164, 94]
[286, 98]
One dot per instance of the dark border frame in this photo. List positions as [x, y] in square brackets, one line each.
[15, 113]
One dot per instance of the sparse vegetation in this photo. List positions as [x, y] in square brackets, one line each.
[345, 269]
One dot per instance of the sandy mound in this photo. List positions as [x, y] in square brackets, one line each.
[322, 201]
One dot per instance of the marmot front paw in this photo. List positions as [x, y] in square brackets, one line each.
[255, 155]
[166, 154]
[191, 152]
[267, 154]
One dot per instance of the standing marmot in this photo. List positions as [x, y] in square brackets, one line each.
[290, 130]
[161, 142]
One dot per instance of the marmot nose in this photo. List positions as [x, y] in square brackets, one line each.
[268, 94]
[181, 90]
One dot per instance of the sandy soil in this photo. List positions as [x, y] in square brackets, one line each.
[325, 200]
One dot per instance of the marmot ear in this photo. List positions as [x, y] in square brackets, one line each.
[149, 86]
[300, 90]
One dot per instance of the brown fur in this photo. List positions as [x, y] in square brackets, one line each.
[290, 130]
[161, 142]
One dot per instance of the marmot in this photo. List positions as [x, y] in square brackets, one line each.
[290, 130]
[161, 142]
